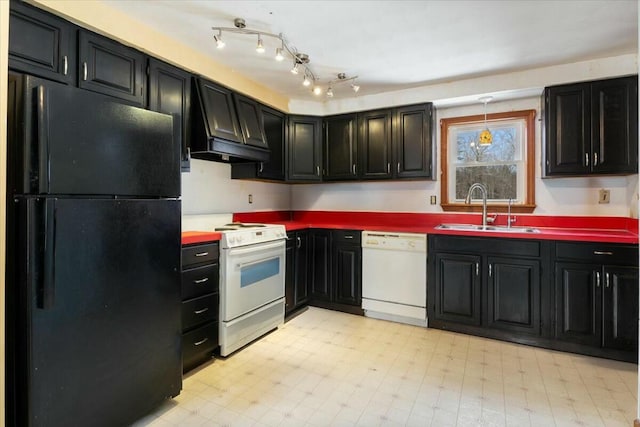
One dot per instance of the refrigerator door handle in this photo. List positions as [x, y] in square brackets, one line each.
[46, 288]
[43, 140]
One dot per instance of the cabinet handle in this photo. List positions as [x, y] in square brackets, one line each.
[199, 254]
[398, 167]
[595, 159]
[318, 170]
[201, 342]
[348, 237]
[477, 268]
[597, 279]
[606, 280]
[602, 253]
[353, 168]
[198, 281]
[65, 65]
[261, 167]
[299, 242]
[204, 310]
[586, 159]
[84, 71]
[490, 270]
[388, 168]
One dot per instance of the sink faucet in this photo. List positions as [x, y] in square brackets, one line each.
[483, 190]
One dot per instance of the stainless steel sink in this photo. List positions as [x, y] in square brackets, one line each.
[499, 228]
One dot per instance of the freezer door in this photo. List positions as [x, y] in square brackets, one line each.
[103, 297]
[82, 143]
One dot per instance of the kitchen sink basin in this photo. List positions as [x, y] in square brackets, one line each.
[499, 228]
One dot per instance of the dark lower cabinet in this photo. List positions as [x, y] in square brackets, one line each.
[620, 308]
[296, 291]
[319, 265]
[200, 299]
[41, 44]
[457, 288]
[347, 271]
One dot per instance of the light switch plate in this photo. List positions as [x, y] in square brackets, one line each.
[604, 196]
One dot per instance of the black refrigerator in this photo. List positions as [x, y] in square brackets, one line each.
[93, 255]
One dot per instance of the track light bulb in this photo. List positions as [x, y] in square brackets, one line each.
[279, 56]
[330, 93]
[260, 47]
[218, 40]
[294, 70]
[355, 87]
[317, 90]
[306, 81]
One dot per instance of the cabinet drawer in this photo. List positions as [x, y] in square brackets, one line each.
[199, 254]
[601, 253]
[347, 236]
[199, 310]
[199, 281]
[486, 245]
[198, 345]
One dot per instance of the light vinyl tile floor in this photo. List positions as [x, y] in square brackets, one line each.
[326, 368]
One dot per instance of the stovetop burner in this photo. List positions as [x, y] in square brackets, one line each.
[237, 226]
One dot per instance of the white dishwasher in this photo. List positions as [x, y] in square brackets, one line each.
[394, 276]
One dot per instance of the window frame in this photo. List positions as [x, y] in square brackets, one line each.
[529, 150]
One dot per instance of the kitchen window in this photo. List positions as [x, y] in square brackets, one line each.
[505, 167]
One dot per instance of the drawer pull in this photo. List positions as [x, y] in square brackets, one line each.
[201, 311]
[602, 253]
[348, 237]
[201, 342]
[204, 279]
[199, 254]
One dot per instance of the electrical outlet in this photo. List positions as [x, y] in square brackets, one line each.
[604, 196]
[250, 198]
[432, 200]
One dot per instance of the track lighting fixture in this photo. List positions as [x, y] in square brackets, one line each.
[300, 60]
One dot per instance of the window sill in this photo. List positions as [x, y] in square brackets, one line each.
[491, 207]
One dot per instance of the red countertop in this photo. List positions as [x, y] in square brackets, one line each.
[583, 228]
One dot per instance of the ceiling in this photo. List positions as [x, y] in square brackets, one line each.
[393, 45]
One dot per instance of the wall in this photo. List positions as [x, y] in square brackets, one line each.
[208, 189]
[560, 196]
[4, 49]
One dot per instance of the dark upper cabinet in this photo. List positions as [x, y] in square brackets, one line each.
[620, 308]
[457, 288]
[221, 117]
[340, 152]
[304, 147]
[591, 128]
[41, 44]
[107, 67]
[375, 142]
[250, 118]
[513, 295]
[412, 140]
[319, 264]
[170, 93]
[275, 124]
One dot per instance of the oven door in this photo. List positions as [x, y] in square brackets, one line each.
[251, 277]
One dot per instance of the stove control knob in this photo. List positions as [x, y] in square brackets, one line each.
[239, 239]
[232, 239]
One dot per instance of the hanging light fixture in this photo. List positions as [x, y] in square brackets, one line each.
[300, 60]
[485, 138]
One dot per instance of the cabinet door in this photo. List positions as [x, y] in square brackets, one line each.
[108, 67]
[614, 104]
[319, 264]
[578, 303]
[250, 118]
[274, 129]
[457, 288]
[620, 308]
[567, 129]
[41, 44]
[304, 148]
[301, 268]
[412, 141]
[170, 93]
[513, 295]
[340, 150]
[375, 153]
[289, 276]
[347, 274]
[219, 110]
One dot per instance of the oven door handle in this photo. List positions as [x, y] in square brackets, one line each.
[255, 249]
[250, 263]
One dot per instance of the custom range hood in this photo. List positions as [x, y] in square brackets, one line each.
[227, 127]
